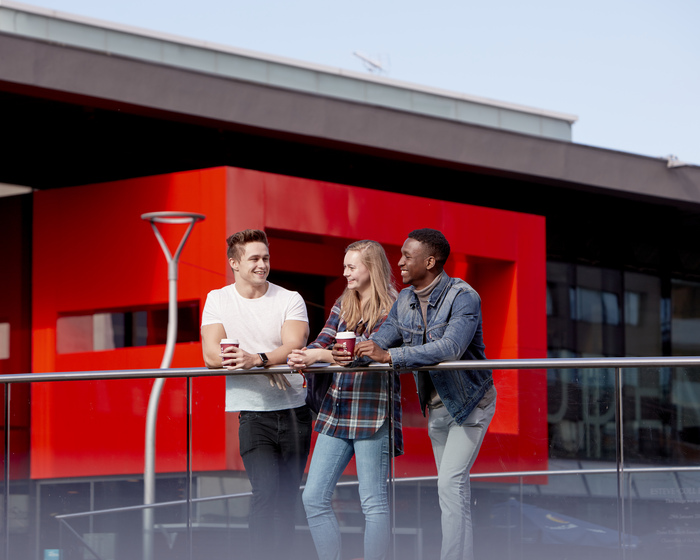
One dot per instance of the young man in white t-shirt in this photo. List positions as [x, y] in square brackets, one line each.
[275, 423]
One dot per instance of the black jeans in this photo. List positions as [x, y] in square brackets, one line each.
[274, 447]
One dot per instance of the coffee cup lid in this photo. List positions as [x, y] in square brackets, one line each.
[345, 334]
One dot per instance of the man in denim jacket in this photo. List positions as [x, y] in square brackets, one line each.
[437, 319]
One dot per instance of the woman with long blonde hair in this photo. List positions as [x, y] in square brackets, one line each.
[354, 416]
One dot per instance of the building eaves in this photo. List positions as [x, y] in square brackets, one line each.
[80, 75]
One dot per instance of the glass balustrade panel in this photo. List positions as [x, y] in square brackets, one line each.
[88, 473]
[662, 459]
[222, 490]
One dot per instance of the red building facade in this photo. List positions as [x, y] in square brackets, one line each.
[94, 255]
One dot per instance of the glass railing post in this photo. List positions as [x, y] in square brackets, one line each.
[6, 475]
[521, 489]
[189, 478]
[392, 472]
[620, 460]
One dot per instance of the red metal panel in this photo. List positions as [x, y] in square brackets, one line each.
[103, 256]
[95, 253]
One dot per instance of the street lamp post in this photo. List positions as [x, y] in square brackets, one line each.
[149, 488]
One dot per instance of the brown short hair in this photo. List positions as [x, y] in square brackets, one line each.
[237, 241]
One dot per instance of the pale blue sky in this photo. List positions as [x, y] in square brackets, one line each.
[629, 69]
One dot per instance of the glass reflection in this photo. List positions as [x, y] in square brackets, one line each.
[665, 513]
[685, 322]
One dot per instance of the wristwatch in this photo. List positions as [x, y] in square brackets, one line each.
[264, 359]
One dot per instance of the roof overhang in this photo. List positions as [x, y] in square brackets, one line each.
[69, 73]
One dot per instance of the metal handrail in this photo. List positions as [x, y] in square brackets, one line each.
[539, 363]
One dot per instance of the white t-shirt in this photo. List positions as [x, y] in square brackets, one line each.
[257, 324]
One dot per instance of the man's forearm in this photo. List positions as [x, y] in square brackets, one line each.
[216, 364]
[211, 348]
[443, 350]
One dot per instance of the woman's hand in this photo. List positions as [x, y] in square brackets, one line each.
[341, 356]
[301, 358]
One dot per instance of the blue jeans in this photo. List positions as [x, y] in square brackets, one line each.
[274, 447]
[331, 456]
[455, 448]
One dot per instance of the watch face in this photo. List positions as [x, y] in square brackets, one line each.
[263, 357]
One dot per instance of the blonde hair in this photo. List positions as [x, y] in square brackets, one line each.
[382, 290]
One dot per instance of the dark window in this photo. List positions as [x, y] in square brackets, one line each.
[125, 328]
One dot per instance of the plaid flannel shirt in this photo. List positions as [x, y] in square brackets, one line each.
[356, 404]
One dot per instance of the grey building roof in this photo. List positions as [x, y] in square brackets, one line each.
[228, 62]
[82, 61]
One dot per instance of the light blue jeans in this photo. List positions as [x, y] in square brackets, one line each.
[330, 457]
[455, 448]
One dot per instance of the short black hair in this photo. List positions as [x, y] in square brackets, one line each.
[435, 242]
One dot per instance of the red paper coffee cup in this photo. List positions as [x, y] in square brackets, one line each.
[347, 340]
[227, 343]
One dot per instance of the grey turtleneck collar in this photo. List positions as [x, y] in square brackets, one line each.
[424, 294]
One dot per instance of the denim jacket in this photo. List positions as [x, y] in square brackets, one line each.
[453, 333]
